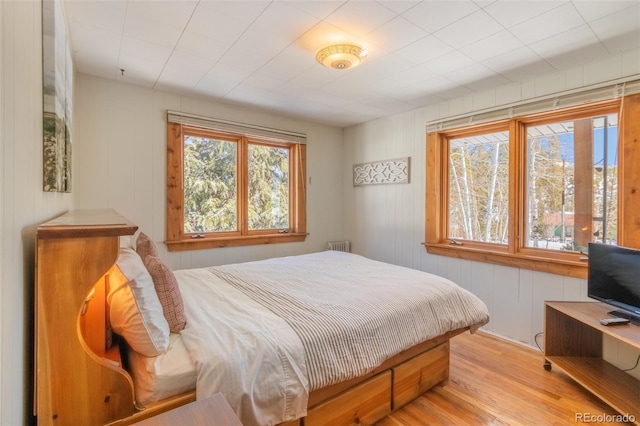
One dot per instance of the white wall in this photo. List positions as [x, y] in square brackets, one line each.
[387, 222]
[121, 164]
[23, 204]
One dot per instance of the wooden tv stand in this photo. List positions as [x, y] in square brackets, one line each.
[573, 342]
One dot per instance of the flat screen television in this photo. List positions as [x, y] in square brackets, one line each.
[614, 278]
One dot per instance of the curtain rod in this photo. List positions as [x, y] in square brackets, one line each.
[234, 123]
[613, 84]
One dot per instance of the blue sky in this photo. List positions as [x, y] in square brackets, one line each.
[566, 145]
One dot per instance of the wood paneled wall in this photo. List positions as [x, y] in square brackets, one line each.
[23, 204]
[122, 163]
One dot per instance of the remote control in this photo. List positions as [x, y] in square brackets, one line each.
[614, 321]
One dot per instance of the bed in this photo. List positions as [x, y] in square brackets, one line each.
[328, 337]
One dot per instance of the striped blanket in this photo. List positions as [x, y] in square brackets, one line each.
[352, 313]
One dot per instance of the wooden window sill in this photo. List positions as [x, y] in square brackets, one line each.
[571, 268]
[209, 242]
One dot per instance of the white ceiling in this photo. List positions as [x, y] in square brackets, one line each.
[262, 53]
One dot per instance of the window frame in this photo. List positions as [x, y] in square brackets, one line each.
[515, 253]
[178, 240]
[445, 137]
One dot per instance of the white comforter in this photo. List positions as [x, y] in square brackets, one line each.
[241, 349]
[265, 333]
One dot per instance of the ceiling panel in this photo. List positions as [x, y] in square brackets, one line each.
[106, 15]
[137, 70]
[512, 13]
[619, 31]
[262, 53]
[432, 16]
[469, 29]
[396, 34]
[202, 46]
[548, 24]
[219, 81]
[165, 12]
[288, 64]
[448, 63]
[477, 77]
[360, 17]
[147, 50]
[177, 71]
[399, 6]
[570, 48]
[424, 50]
[396, 82]
[209, 21]
[594, 10]
[243, 12]
[88, 37]
[494, 45]
[290, 21]
[519, 64]
[318, 8]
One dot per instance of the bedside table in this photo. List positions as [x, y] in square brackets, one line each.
[212, 411]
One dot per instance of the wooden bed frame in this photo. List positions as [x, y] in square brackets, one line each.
[79, 374]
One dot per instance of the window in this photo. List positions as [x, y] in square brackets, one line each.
[534, 190]
[571, 196]
[479, 187]
[230, 189]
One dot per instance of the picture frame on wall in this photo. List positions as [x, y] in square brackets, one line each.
[57, 81]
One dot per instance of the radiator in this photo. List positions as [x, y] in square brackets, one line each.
[339, 246]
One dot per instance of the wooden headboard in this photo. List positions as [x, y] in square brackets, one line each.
[79, 379]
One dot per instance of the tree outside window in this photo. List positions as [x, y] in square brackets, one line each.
[227, 189]
[533, 191]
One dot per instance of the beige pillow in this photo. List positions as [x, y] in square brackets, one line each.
[134, 307]
[145, 246]
[168, 292]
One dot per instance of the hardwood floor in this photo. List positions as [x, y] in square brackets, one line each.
[496, 382]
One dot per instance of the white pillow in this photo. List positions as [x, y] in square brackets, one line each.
[127, 241]
[159, 377]
[135, 310]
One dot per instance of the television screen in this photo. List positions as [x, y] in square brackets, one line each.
[614, 278]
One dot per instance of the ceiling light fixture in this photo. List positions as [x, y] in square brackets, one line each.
[341, 56]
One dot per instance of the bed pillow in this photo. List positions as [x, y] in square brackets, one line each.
[145, 246]
[135, 310]
[168, 292]
[159, 377]
[127, 241]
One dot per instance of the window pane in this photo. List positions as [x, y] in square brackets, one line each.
[572, 183]
[210, 185]
[479, 188]
[268, 187]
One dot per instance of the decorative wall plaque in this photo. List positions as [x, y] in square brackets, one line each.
[381, 172]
